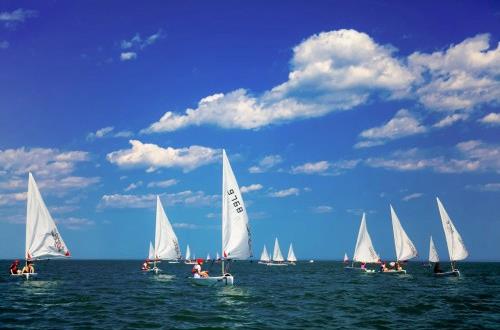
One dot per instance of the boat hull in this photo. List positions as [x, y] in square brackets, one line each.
[453, 273]
[393, 272]
[359, 270]
[25, 275]
[226, 280]
[276, 264]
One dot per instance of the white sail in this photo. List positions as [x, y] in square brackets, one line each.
[456, 246]
[264, 256]
[166, 244]
[42, 237]
[217, 256]
[188, 253]
[208, 257]
[364, 251]
[346, 258]
[433, 255]
[405, 250]
[236, 238]
[151, 255]
[277, 256]
[291, 255]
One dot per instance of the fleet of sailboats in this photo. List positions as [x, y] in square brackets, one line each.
[277, 259]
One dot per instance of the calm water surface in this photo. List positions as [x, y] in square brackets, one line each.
[115, 294]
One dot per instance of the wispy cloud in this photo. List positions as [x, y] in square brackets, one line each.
[74, 223]
[133, 186]
[325, 167]
[4, 44]
[152, 156]
[187, 197]
[412, 196]
[322, 209]
[250, 188]
[493, 187]
[266, 164]
[492, 119]
[285, 193]
[128, 56]
[108, 132]
[163, 184]
[16, 17]
[131, 47]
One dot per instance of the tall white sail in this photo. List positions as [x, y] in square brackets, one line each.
[217, 256]
[166, 244]
[265, 256]
[291, 255]
[346, 258]
[433, 255]
[188, 253]
[208, 257]
[277, 256]
[405, 250]
[456, 246]
[42, 237]
[151, 255]
[364, 251]
[236, 238]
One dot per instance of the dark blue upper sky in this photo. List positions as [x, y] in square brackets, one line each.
[326, 109]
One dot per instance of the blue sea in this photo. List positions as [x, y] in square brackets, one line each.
[117, 295]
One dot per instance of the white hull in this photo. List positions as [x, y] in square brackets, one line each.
[455, 273]
[292, 263]
[263, 262]
[173, 262]
[190, 262]
[156, 270]
[391, 271]
[359, 270]
[25, 275]
[276, 264]
[213, 280]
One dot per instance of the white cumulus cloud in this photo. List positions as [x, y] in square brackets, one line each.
[128, 56]
[492, 119]
[250, 188]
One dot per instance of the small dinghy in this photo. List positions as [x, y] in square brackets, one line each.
[364, 251]
[43, 240]
[291, 258]
[454, 242]
[405, 250]
[236, 237]
[264, 257]
[277, 259]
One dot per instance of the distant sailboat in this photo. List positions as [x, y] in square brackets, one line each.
[364, 252]
[405, 250]
[346, 258]
[236, 238]
[264, 257]
[151, 255]
[456, 246]
[433, 255]
[187, 259]
[277, 259]
[208, 257]
[43, 240]
[291, 259]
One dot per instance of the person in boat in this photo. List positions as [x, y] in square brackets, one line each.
[197, 272]
[437, 268]
[14, 267]
[363, 265]
[29, 268]
[145, 265]
[383, 267]
[398, 266]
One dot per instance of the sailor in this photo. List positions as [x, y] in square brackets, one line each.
[197, 272]
[28, 269]
[145, 265]
[14, 267]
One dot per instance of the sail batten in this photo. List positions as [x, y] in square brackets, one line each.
[42, 237]
[277, 256]
[364, 251]
[405, 250]
[456, 246]
[265, 256]
[433, 255]
[291, 255]
[166, 243]
[236, 238]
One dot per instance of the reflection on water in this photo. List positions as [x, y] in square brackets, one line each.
[93, 294]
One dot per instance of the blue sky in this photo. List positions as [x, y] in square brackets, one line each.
[325, 109]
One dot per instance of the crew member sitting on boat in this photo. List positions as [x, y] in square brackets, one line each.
[398, 267]
[197, 272]
[145, 265]
[383, 267]
[363, 265]
[29, 268]
[14, 268]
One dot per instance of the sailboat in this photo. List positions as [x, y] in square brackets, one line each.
[208, 257]
[43, 240]
[277, 259]
[364, 251]
[217, 256]
[346, 258]
[433, 255]
[405, 250]
[187, 259]
[456, 246]
[236, 237]
[166, 243]
[291, 259]
[264, 257]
